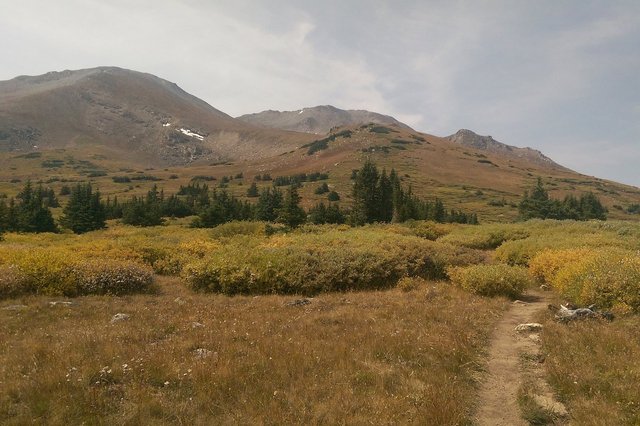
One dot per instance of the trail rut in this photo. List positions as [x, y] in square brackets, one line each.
[505, 372]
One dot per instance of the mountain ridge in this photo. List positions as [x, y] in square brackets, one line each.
[318, 119]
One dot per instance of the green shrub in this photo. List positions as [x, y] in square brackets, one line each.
[491, 280]
[238, 228]
[310, 263]
[487, 237]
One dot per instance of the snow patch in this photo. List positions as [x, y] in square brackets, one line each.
[166, 125]
[301, 111]
[191, 134]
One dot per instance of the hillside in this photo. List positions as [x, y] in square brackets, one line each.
[132, 115]
[487, 143]
[319, 119]
[126, 131]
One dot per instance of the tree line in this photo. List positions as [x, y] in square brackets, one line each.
[538, 204]
[377, 197]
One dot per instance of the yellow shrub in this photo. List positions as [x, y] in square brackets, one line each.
[491, 280]
[545, 265]
[65, 273]
[608, 279]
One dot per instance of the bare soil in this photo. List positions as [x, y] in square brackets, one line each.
[507, 369]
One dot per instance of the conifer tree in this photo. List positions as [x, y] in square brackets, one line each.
[31, 215]
[84, 212]
[365, 197]
[252, 192]
[291, 214]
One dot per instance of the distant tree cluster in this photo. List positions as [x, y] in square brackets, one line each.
[537, 204]
[378, 197]
[29, 211]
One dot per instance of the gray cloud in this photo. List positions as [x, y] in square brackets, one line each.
[557, 76]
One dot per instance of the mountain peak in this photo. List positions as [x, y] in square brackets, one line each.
[469, 138]
[318, 119]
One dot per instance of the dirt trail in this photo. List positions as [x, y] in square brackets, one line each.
[498, 404]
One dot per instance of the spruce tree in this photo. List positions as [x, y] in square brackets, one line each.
[31, 215]
[291, 214]
[252, 192]
[84, 211]
[384, 198]
[365, 197]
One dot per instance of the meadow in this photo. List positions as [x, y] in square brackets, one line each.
[251, 322]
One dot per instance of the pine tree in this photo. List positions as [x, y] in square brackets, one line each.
[252, 192]
[365, 195]
[31, 215]
[84, 212]
[384, 198]
[269, 203]
[291, 214]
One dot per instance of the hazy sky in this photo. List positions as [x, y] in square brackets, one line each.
[559, 76]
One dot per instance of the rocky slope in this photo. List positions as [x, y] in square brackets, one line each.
[132, 113]
[318, 120]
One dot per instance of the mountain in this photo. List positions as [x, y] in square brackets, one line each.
[487, 143]
[319, 119]
[133, 114]
[126, 131]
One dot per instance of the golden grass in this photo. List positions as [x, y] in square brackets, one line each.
[391, 357]
[593, 366]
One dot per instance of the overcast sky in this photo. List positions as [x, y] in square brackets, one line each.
[559, 76]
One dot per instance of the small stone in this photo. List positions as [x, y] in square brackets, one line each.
[535, 338]
[532, 326]
[15, 307]
[60, 303]
[119, 317]
[196, 324]
[201, 353]
[549, 404]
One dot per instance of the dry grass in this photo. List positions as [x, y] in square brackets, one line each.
[593, 366]
[389, 357]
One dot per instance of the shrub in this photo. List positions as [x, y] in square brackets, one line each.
[485, 238]
[491, 280]
[545, 265]
[112, 277]
[62, 273]
[311, 263]
[230, 229]
[606, 279]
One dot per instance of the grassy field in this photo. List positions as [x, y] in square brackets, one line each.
[370, 357]
[212, 337]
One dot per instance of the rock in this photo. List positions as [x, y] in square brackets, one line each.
[179, 300]
[299, 302]
[549, 404]
[196, 324]
[119, 317]
[14, 307]
[201, 353]
[544, 287]
[528, 327]
[567, 313]
[60, 303]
